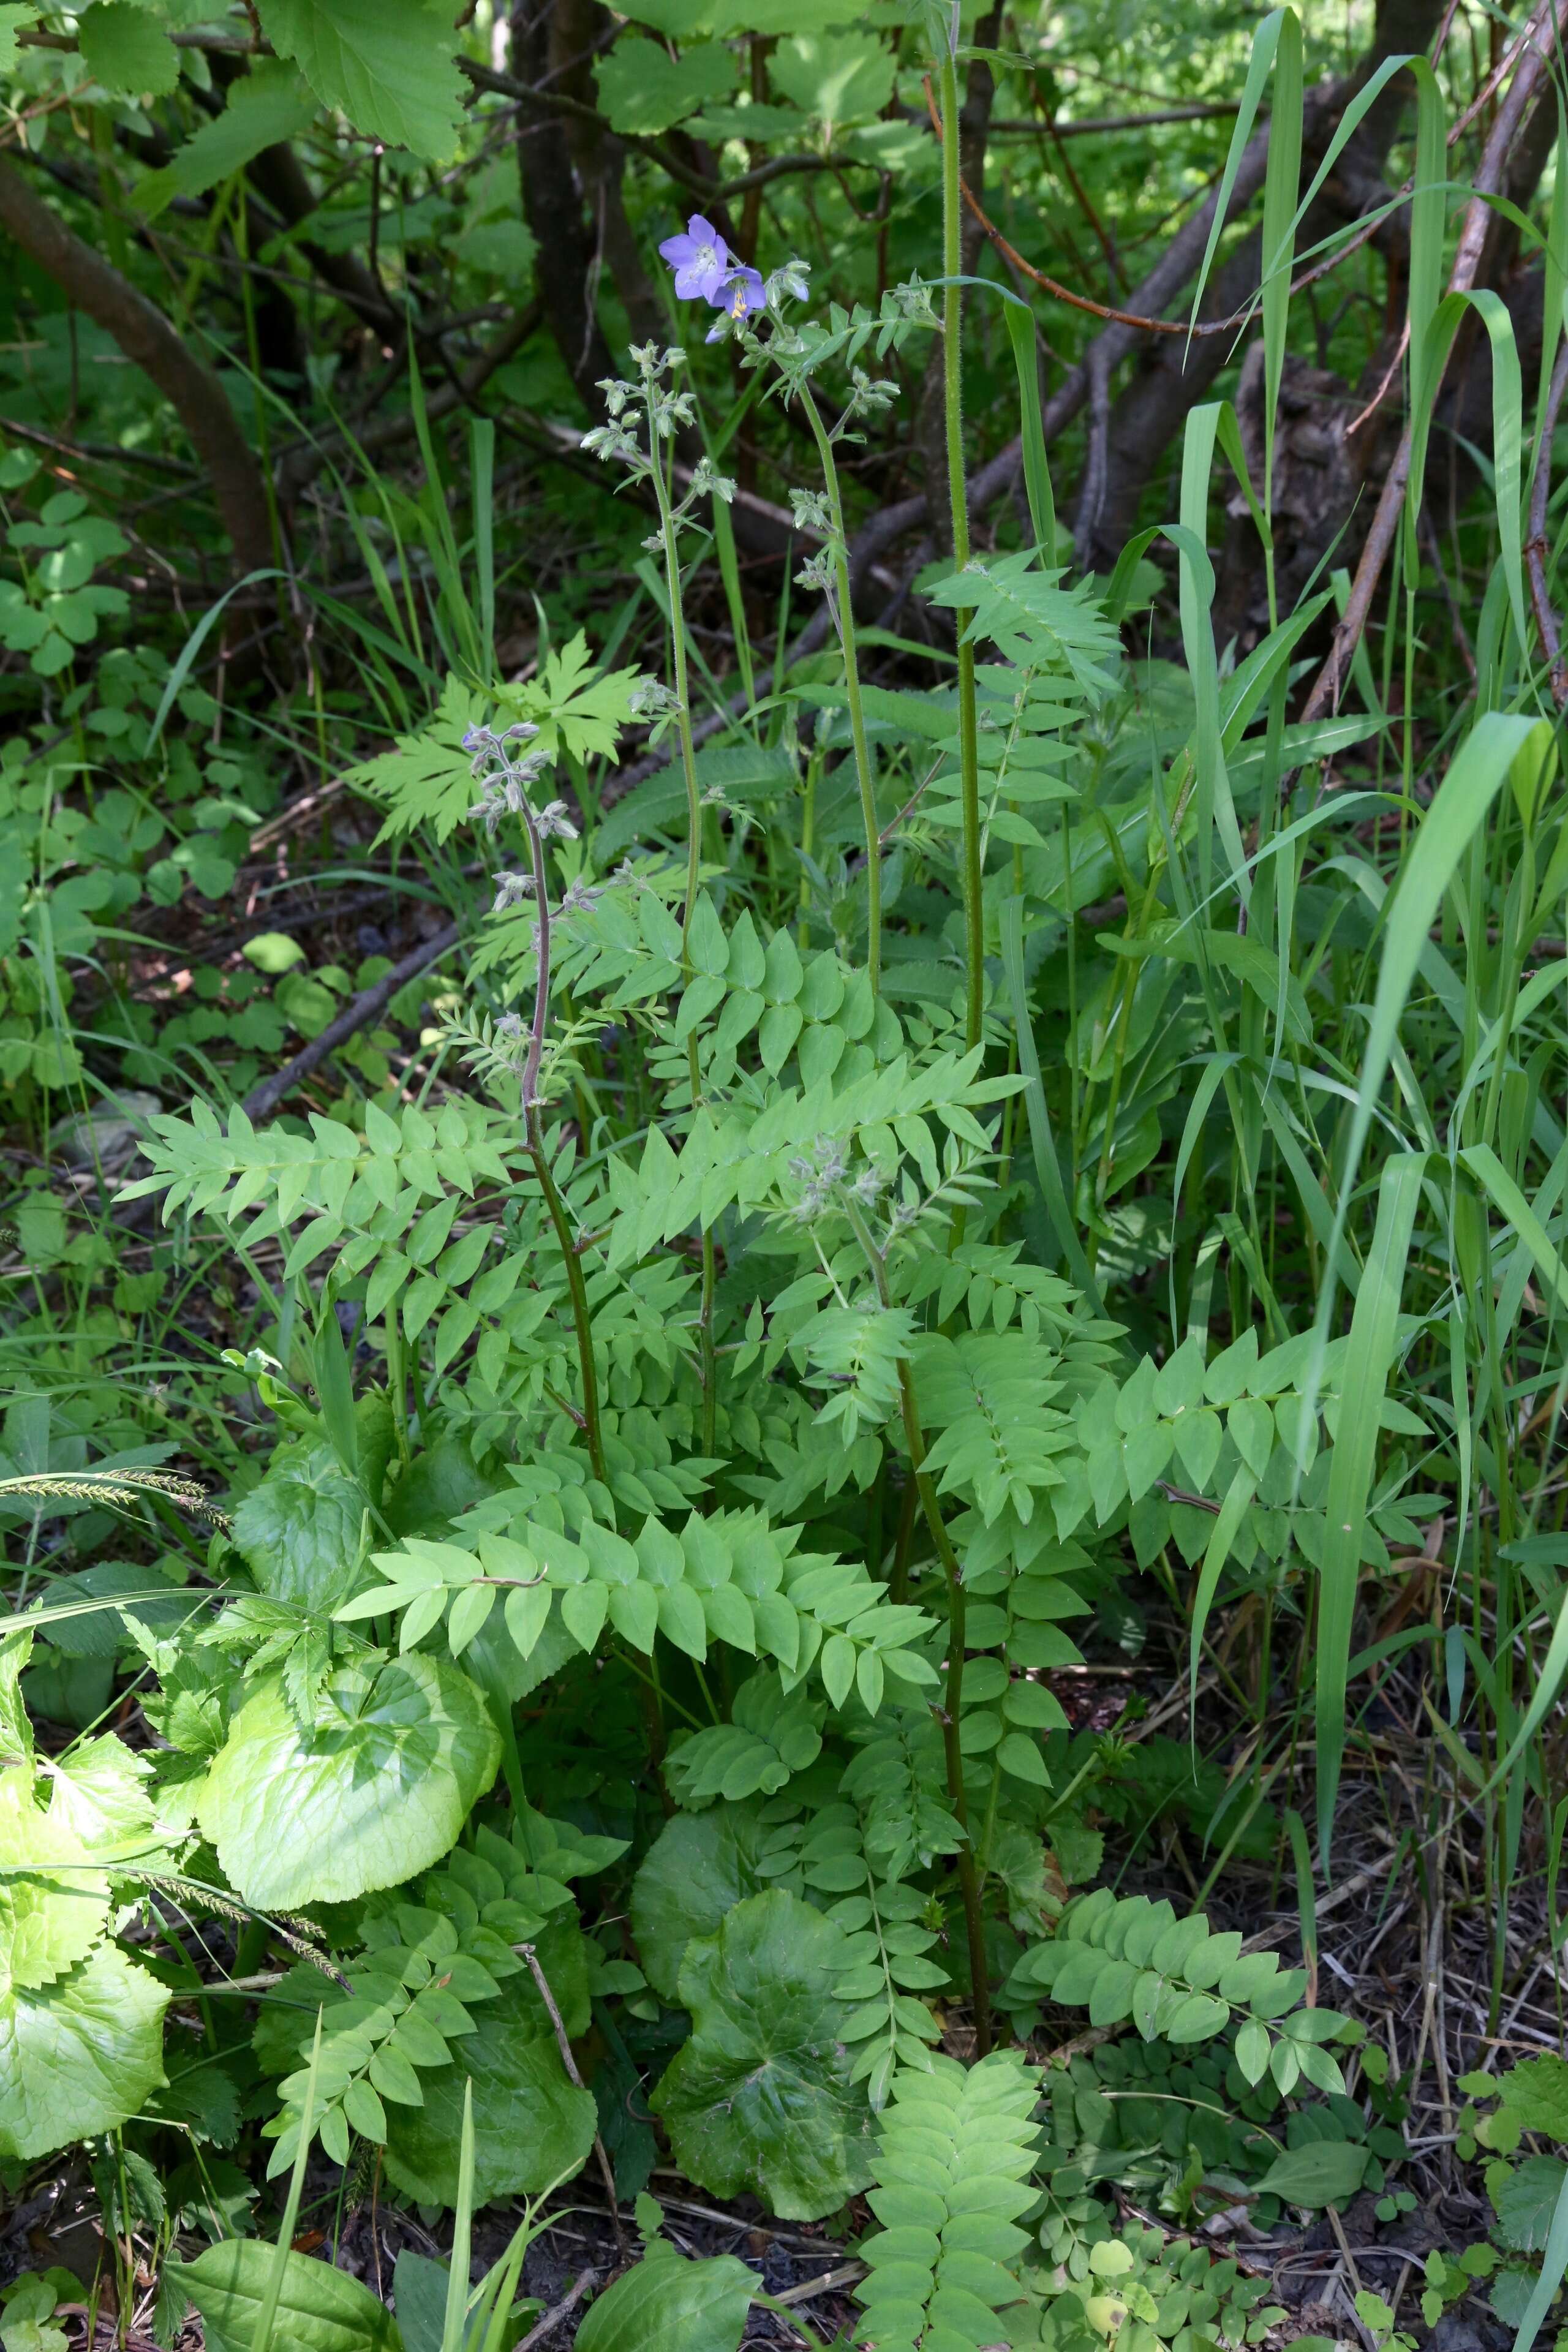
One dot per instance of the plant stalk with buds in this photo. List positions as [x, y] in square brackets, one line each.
[505, 783]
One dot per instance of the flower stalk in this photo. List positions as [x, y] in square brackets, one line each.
[841, 605]
[506, 780]
[958, 503]
[950, 1714]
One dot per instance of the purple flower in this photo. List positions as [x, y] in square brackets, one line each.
[742, 293]
[700, 260]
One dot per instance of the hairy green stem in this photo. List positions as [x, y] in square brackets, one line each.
[845, 617]
[666, 532]
[952, 399]
[579, 1291]
[952, 1704]
[951, 1710]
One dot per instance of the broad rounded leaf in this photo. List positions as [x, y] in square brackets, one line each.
[699, 1867]
[668, 2305]
[299, 1530]
[377, 1791]
[531, 2124]
[50, 1917]
[320, 2309]
[761, 2097]
[80, 2056]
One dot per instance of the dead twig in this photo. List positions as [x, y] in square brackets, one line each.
[1536, 544]
[567, 2060]
[558, 2312]
[263, 1100]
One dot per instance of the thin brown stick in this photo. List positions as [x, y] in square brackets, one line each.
[564, 2046]
[1330, 682]
[1536, 544]
[557, 2312]
[1146, 326]
[264, 1099]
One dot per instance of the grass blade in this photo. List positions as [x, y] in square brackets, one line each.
[1368, 1360]
[261, 2335]
[462, 2233]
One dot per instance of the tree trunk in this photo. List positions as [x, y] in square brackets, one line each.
[567, 262]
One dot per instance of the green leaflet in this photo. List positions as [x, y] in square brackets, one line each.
[770, 1736]
[321, 2308]
[377, 1791]
[1324, 2172]
[761, 2097]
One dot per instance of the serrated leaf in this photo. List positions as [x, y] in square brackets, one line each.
[390, 71]
[377, 1791]
[79, 2055]
[127, 51]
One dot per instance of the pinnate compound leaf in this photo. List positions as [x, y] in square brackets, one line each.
[772, 1736]
[669, 2304]
[79, 2055]
[699, 1866]
[322, 2308]
[532, 2124]
[389, 68]
[761, 2097]
[954, 2155]
[377, 1790]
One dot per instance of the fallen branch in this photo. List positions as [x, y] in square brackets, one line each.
[557, 2312]
[1536, 543]
[357, 1013]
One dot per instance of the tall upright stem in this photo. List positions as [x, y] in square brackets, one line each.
[951, 1711]
[678, 639]
[528, 1089]
[846, 619]
[578, 1290]
[952, 1707]
[953, 392]
[666, 528]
